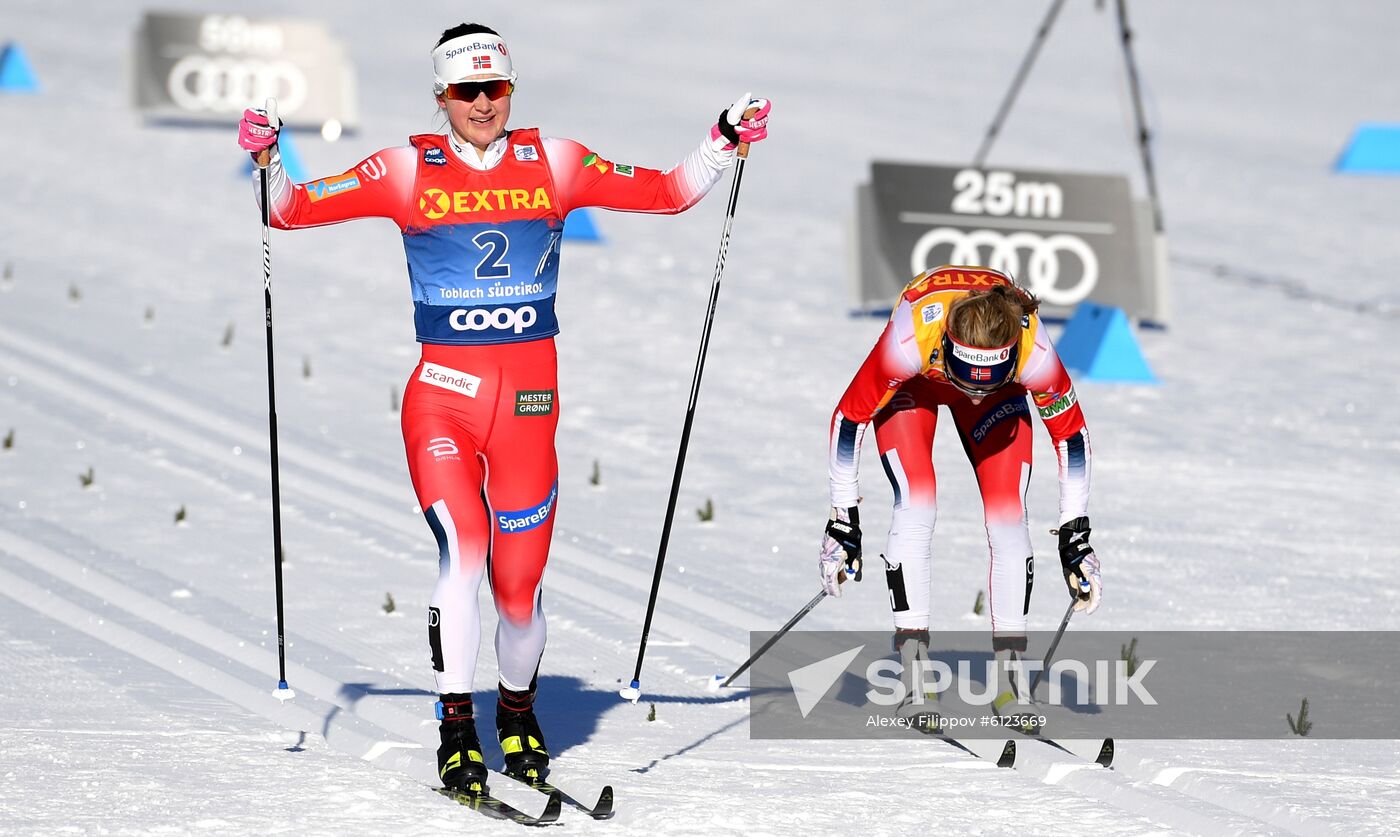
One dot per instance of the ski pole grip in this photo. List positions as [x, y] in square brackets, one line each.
[264, 158]
[743, 146]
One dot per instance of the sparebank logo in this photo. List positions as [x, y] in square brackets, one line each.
[527, 519]
[811, 682]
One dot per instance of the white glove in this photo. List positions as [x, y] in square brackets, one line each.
[840, 552]
[1080, 564]
[1088, 574]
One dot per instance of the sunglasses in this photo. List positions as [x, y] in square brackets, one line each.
[970, 390]
[467, 91]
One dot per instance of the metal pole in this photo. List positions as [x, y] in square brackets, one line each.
[1144, 135]
[1016, 83]
[816, 600]
[1055, 643]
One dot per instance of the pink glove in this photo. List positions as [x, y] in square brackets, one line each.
[733, 128]
[255, 132]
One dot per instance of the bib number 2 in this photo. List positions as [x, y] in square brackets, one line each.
[494, 245]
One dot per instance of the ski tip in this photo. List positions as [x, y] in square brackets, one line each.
[1105, 758]
[283, 692]
[1008, 755]
[551, 809]
[632, 692]
[603, 809]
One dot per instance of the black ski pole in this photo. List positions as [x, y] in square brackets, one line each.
[633, 691]
[816, 600]
[1055, 643]
[282, 692]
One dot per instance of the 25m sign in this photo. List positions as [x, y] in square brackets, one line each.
[1066, 237]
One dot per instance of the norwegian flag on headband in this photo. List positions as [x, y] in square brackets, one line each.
[481, 62]
[980, 373]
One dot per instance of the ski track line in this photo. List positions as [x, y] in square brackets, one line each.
[1202, 783]
[344, 731]
[582, 588]
[1176, 807]
[361, 739]
[371, 729]
[600, 625]
[380, 712]
[155, 403]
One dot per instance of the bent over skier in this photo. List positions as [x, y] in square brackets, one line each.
[969, 339]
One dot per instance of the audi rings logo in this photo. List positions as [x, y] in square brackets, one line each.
[223, 84]
[1048, 258]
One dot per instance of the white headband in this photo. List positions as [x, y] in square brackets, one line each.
[479, 56]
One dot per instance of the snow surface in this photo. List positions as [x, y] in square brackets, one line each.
[1254, 488]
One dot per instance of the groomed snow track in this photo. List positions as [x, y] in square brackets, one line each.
[214, 649]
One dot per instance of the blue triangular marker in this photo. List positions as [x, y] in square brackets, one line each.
[16, 76]
[1098, 343]
[1374, 149]
[579, 226]
[291, 159]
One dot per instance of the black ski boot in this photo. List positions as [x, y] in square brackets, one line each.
[522, 742]
[920, 704]
[460, 765]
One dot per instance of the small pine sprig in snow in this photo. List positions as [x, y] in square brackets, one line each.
[1128, 653]
[706, 513]
[86, 478]
[389, 606]
[1302, 726]
[981, 603]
